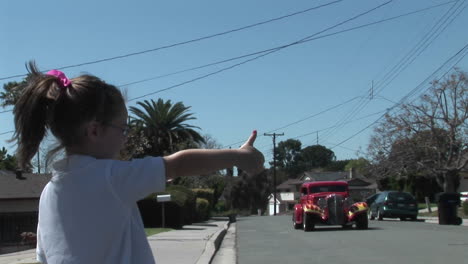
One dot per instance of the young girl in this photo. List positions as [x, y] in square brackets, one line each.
[88, 212]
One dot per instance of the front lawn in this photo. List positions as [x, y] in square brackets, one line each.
[423, 205]
[154, 231]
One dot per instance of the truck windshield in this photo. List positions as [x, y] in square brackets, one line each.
[327, 188]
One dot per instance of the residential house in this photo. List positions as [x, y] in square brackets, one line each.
[19, 204]
[289, 190]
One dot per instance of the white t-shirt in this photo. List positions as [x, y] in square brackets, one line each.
[88, 211]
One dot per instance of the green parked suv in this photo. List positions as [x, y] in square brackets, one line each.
[393, 204]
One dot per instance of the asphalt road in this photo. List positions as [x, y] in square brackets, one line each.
[272, 239]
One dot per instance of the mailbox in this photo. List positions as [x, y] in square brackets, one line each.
[163, 198]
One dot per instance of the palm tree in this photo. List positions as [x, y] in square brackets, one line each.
[165, 126]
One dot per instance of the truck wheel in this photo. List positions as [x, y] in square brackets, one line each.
[308, 223]
[295, 225]
[362, 222]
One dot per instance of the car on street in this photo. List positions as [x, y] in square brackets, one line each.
[463, 196]
[393, 204]
[328, 203]
[371, 199]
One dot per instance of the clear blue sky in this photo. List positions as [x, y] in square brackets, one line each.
[265, 94]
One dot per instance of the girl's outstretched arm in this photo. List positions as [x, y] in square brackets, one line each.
[199, 161]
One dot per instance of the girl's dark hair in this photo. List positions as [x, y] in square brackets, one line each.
[46, 105]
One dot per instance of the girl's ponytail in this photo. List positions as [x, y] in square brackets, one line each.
[52, 102]
[32, 113]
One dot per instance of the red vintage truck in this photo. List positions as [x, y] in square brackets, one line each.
[328, 203]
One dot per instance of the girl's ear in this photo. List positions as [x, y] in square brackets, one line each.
[93, 131]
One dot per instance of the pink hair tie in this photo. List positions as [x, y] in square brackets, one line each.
[64, 81]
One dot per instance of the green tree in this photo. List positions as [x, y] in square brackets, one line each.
[428, 137]
[316, 156]
[361, 166]
[215, 181]
[7, 161]
[249, 193]
[287, 153]
[137, 144]
[11, 93]
[209, 143]
[337, 165]
[164, 125]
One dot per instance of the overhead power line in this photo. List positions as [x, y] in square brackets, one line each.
[279, 47]
[422, 45]
[304, 40]
[299, 121]
[269, 51]
[407, 60]
[461, 53]
[309, 38]
[188, 41]
[8, 132]
[263, 54]
[315, 131]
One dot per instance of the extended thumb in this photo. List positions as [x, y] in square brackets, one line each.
[252, 138]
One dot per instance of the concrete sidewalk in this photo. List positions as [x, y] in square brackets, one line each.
[193, 244]
[426, 210]
[435, 220]
[196, 243]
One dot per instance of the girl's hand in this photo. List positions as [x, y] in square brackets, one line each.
[252, 160]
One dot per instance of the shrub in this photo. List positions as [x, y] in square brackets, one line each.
[465, 207]
[180, 211]
[203, 209]
[220, 206]
[186, 199]
[207, 194]
[228, 213]
[215, 182]
[151, 210]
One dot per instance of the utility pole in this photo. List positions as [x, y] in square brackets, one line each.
[274, 135]
[38, 161]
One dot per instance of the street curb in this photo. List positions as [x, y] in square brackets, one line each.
[227, 253]
[212, 245]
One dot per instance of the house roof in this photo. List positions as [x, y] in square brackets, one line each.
[29, 187]
[324, 183]
[361, 181]
[324, 176]
[371, 186]
[357, 182]
[290, 183]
